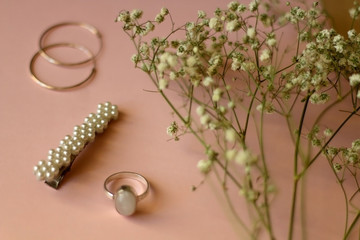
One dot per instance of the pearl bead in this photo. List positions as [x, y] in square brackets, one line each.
[40, 176]
[49, 175]
[66, 153]
[41, 163]
[91, 136]
[56, 162]
[51, 152]
[75, 150]
[67, 147]
[65, 161]
[114, 114]
[54, 171]
[99, 128]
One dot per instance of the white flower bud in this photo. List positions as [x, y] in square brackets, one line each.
[250, 32]
[204, 166]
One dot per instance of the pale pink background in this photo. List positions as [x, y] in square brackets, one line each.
[34, 119]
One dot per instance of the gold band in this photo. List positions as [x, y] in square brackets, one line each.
[71, 45]
[86, 26]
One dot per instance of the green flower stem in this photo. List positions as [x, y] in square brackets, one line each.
[233, 210]
[340, 181]
[357, 217]
[229, 98]
[265, 172]
[249, 111]
[296, 177]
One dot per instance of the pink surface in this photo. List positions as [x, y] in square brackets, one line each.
[33, 120]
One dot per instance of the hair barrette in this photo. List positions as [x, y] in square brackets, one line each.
[60, 160]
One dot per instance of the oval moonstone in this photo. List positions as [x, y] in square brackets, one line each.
[125, 201]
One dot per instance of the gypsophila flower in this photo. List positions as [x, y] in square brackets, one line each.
[317, 98]
[265, 55]
[123, 16]
[172, 75]
[337, 167]
[271, 42]
[233, 6]
[205, 119]
[230, 65]
[172, 129]
[354, 13]
[268, 108]
[233, 25]
[208, 81]
[354, 79]
[200, 110]
[215, 23]
[355, 145]
[251, 32]
[230, 154]
[159, 18]
[135, 58]
[351, 34]
[241, 8]
[245, 157]
[136, 14]
[328, 132]
[230, 135]
[231, 105]
[204, 166]
[191, 61]
[201, 14]
[164, 11]
[163, 83]
[331, 152]
[217, 94]
[253, 6]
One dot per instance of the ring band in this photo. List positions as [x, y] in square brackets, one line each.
[52, 87]
[86, 26]
[126, 197]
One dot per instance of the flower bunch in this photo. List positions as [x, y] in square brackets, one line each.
[229, 68]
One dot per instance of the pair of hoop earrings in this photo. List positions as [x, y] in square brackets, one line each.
[134, 186]
[45, 48]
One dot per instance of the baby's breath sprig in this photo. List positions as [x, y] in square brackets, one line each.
[229, 68]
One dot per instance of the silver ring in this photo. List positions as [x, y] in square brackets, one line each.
[126, 196]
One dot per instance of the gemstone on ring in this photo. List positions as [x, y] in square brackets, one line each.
[134, 188]
[125, 201]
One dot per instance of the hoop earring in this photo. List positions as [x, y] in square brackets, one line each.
[59, 88]
[86, 26]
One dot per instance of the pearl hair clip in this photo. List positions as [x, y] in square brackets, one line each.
[60, 160]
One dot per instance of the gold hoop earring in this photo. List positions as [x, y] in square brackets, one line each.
[86, 26]
[60, 88]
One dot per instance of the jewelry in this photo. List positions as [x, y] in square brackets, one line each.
[52, 87]
[126, 197]
[60, 160]
[86, 26]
